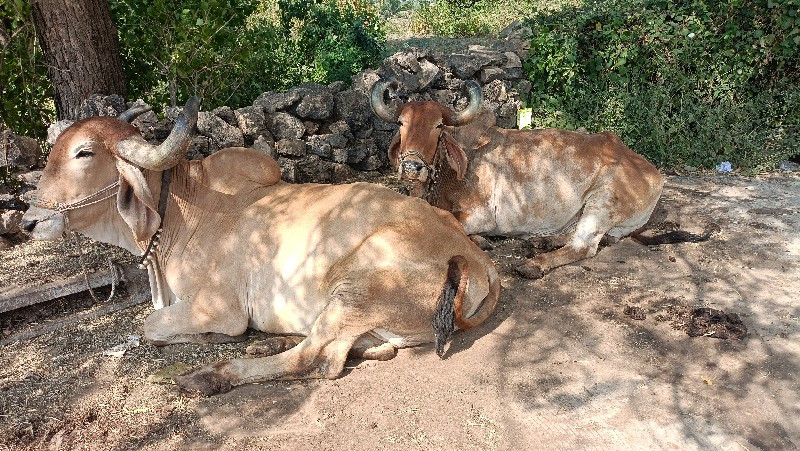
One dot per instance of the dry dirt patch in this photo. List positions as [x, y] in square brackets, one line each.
[560, 364]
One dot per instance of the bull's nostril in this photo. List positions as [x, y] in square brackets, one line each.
[412, 165]
[28, 225]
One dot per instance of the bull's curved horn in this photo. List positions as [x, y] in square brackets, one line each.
[133, 112]
[471, 111]
[376, 100]
[171, 151]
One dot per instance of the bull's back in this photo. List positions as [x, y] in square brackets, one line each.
[298, 234]
[539, 180]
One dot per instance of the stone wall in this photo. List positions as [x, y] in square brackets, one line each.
[317, 133]
[326, 133]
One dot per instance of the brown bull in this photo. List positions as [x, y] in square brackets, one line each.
[524, 183]
[346, 266]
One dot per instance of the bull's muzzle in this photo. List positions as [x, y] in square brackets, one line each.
[413, 170]
[413, 167]
[43, 224]
[29, 224]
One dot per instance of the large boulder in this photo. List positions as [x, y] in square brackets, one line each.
[513, 66]
[364, 81]
[315, 101]
[353, 107]
[18, 152]
[284, 126]
[101, 105]
[251, 122]
[56, 128]
[221, 133]
[466, 65]
[319, 145]
[200, 147]
[227, 114]
[324, 145]
[291, 147]
[488, 74]
[312, 169]
[289, 172]
[147, 123]
[271, 102]
[413, 70]
[266, 144]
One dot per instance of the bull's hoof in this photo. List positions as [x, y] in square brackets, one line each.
[529, 271]
[204, 380]
[383, 352]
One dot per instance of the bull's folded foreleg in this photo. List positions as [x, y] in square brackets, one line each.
[194, 322]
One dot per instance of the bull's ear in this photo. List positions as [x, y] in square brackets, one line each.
[135, 202]
[394, 151]
[456, 157]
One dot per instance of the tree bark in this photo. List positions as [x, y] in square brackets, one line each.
[81, 49]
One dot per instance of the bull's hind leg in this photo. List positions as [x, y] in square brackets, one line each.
[320, 355]
[274, 345]
[583, 242]
[362, 349]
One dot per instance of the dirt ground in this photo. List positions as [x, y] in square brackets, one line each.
[594, 355]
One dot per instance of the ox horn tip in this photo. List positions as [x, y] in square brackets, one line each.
[193, 103]
[376, 99]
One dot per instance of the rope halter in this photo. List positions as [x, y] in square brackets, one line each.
[97, 197]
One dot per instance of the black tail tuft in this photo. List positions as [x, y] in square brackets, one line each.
[677, 236]
[444, 318]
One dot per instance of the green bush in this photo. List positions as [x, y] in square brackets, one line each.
[172, 49]
[228, 52]
[330, 40]
[473, 18]
[26, 105]
[687, 82]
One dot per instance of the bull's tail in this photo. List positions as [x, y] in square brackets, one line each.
[449, 310]
[677, 236]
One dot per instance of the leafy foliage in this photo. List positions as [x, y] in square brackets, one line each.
[229, 52]
[330, 41]
[469, 18]
[694, 82]
[171, 49]
[26, 105]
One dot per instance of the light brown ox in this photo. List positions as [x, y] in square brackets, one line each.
[522, 183]
[350, 267]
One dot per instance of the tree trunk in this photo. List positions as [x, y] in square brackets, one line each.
[81, 48]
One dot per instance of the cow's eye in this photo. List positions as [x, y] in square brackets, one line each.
[400, 123]
[84, 154]
[439, 125]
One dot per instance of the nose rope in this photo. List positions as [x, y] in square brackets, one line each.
[112, 268]
[61, 208]
[80, 203]
[432, 185]
[414, 153]
[431, 194]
